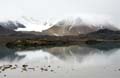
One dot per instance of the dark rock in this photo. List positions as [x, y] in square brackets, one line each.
[118, 69]
[45, 69]
[42, 69]
[51, 70]
[5, 75]
[49, 66]
[24, 66]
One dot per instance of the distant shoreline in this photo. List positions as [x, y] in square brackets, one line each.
[46, 41]
[20, 39]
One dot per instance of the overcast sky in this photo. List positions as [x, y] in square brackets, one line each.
[49, 8]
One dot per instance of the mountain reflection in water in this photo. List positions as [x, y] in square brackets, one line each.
[70, 54]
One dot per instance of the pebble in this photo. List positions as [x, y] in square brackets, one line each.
[24, 65]
[51, 70]
[5, 75]
[49, 66]
[119, 69]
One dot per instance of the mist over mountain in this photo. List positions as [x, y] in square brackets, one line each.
[76, 30]
[78, 25]
[58, 27]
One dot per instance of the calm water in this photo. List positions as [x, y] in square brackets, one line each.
[67, 62]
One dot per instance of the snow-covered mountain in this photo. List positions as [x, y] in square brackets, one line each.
[59, 26]
[78, 25]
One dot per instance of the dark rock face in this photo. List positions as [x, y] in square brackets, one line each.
[20, 25]
[106, 31]
[4, 31]
[105, 34]
[11, 25]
